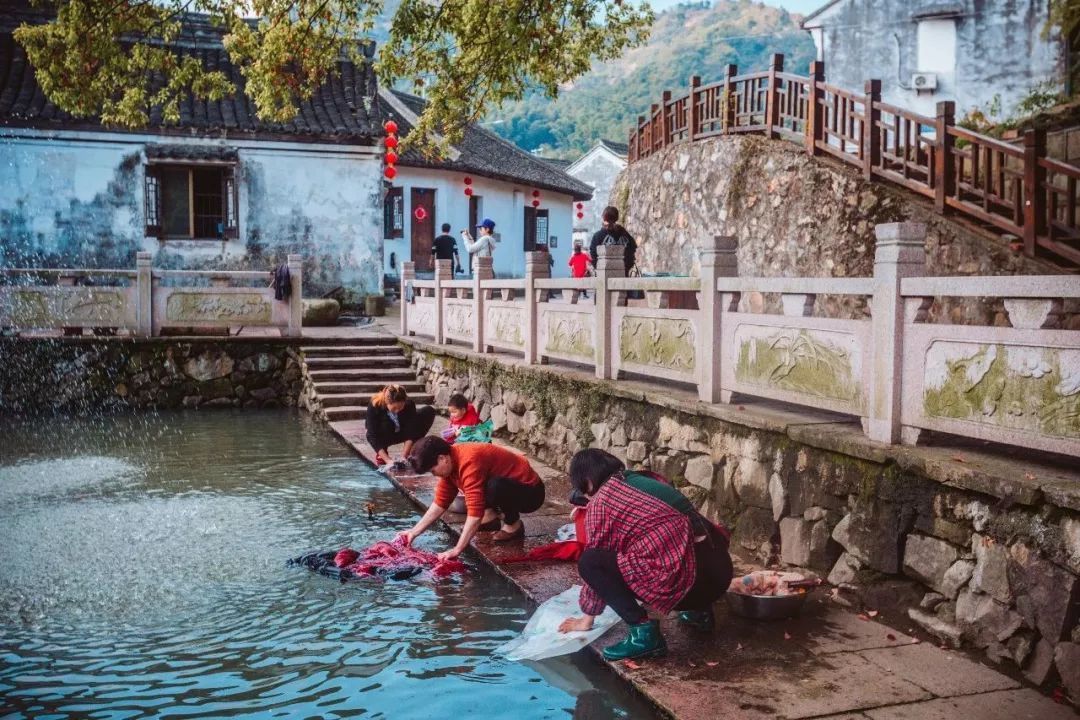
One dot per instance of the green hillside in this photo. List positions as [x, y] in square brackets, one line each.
[689, 39]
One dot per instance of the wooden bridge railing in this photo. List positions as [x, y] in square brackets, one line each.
[1015, 189]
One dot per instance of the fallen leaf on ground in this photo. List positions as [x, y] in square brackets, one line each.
[863, 616]
[1029, 476]
[787, 636]
[691, 663]
[872, 613]
[959, 458]
[713, 663]
[890, 636]
[742, 407]
[915, 641]
[631, 664]
[738, 646]
[1058, 696]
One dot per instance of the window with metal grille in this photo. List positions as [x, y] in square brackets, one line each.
[191, 202]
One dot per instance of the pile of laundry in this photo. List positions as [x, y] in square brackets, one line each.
[381, 561]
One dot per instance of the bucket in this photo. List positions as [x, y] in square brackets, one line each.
[375, 305]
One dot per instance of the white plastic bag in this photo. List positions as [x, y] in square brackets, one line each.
[541, 637]
[566, 532]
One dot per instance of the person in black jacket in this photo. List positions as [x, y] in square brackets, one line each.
[612, 233]
[393, 418]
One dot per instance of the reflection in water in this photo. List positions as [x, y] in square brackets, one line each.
[142, 574]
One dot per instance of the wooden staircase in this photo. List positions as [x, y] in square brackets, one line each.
[343, 374]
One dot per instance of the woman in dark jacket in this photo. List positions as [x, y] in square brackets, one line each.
[393, 418]
[644, 542]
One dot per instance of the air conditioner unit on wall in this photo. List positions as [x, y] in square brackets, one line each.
[924, 82]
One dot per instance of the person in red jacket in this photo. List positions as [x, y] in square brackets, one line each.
[580, 264]
[462, 413]
[493, 480]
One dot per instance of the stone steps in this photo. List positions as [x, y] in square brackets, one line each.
[363, 388]
[325, 351]
[343, 374]
[357, 362]
[363, 399]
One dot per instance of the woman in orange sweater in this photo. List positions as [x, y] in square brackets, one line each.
[493, 480]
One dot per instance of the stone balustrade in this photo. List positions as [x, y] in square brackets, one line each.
[897, 372]
[144, 301]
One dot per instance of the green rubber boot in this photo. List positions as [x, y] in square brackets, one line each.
[644, 640]
[698, 619]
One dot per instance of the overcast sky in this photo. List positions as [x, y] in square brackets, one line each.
[804, 7]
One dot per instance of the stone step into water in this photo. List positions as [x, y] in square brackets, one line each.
[310, 342]
[346, 412]
[373, 374]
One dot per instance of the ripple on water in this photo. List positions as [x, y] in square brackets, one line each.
[150, 582]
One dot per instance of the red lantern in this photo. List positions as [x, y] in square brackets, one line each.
[468, 192]
[390, 142]
[580, 215]
[390, 127]
[536, 203]
[420, 213]
[536, 193]
[391, 158]
[468, 180]
[580, 206]
[390, 172]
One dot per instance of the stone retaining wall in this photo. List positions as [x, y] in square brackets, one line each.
[77, 376]
[977, 557]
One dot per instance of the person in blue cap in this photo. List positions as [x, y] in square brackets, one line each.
[484, 245]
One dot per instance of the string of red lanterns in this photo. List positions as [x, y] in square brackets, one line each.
[580, 211]
[536, 198]
[390, 143]
[468, 186]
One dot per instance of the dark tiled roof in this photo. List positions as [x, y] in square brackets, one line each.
[485, 153]
[561, 164]
[341, 111]
[616, 147]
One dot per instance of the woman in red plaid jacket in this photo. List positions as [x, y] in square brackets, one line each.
[644, 542]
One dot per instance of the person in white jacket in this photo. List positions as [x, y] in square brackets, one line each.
[484, 245]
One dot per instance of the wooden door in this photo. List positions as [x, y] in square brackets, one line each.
[422, 236]
[529, 232]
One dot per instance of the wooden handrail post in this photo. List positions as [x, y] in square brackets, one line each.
[1034, 193]
[944, 161]
[693, 119]
[772, 99]
[871, 138]
[640, 135]
[815, 107]
[653, 110]
[728, 101]
[665, 117]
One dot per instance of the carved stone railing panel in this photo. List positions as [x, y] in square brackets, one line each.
[658, 343]
[28, 307]
[566, 335]
[504, 325]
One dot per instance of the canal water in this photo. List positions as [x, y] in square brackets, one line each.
[142, 574]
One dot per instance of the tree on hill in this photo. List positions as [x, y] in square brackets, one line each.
[688, 39]
[118, 59]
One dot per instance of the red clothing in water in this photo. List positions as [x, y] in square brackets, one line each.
[474, 465]
[653, 542]
[579, 264]
[471, 417]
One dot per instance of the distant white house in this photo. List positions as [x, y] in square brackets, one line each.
[504, 180]
[926, 51]
[598, 168]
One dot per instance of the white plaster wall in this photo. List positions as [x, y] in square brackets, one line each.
[503, 202]
[999, 49]
[598, 168]
[76, 199]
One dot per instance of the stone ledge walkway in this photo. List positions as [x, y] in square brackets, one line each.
[828, 663]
